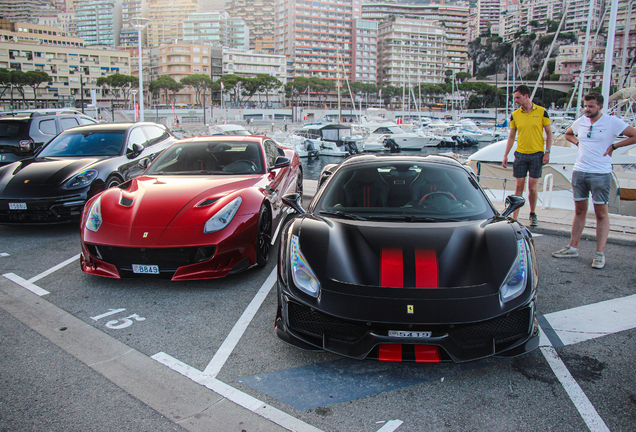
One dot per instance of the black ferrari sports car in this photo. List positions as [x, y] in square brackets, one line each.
[54, 185]
[404, 258]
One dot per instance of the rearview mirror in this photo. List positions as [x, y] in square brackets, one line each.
[293, 201]
[282, 162]
[513, 202]
[135, 151]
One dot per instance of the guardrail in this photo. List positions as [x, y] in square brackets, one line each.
[547, 183]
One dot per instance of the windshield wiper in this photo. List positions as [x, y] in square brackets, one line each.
[342, 214]
[407, 218]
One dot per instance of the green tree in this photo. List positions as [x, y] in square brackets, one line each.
[166, 83]
[18, 81]
[35, 79]
[199, 82]
[267, 84]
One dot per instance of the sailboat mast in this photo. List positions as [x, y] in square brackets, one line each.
[609, 55]
[584, 64]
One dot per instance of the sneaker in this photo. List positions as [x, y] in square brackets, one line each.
[533, 220]
[566, 252]
[599, 260]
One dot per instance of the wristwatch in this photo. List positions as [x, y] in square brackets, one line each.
[547, 151]
[613, 146]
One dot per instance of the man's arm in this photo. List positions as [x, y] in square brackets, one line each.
[630, 133]
[511, 141]
[548, 143]
[569, 135]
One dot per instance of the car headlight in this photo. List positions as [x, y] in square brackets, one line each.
[223, 217]
[517, 277]
[94, 219]
[303, 275]
[80, 180]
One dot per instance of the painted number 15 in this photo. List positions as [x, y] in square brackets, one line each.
[118, 323]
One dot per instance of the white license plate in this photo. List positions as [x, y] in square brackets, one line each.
[17, 206]
[410, 334]
[145, 269]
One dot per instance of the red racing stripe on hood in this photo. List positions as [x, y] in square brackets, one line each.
[426, 275]
[392, 268]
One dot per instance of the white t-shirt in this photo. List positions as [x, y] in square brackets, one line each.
[589, 157]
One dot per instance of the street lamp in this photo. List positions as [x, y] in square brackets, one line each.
[139, 24]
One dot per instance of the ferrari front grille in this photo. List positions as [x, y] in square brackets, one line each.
[506, 328]
[167, 259]
[311, 322]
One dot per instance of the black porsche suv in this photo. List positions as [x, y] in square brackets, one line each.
[22, 132]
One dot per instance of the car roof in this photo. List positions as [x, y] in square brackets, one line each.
[250, 138]
[108, 127]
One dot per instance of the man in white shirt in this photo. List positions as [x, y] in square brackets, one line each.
[594, 134]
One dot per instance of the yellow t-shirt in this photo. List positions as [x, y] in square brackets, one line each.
[530, 128]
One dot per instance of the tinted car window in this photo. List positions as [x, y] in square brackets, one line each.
[68, 122]
[12, 129]
[137, 136]
[155, 134]
[105, 143]
[85, 121]
[47, 127]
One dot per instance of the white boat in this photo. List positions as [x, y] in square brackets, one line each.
[557, 175]
[470, 128]
[406, 140]
[228, 129]
[329, 139]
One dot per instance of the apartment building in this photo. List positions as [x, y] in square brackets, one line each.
[454, 17]
[166, 20]
[216, 28]
[128, 36]
[317, 37]
[577, 12]
[98, 21]
[625, 28]
[411, 51]
[36, 34]
[541, 11]
[488, 12]
[365, 60]
[257, 15]
[71, 69]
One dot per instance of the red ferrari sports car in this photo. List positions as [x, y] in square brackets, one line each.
[206, 207]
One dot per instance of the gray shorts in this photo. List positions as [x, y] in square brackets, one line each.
[599, 184]
[527, 164]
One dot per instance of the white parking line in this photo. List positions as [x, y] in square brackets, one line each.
[54, 269]
[578, 397]
[26, 284]
[391, 425]
[214, 367]
[4, 254]
[275, 415]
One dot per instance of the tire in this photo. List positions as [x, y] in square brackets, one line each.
[112, 181]
[263, 236]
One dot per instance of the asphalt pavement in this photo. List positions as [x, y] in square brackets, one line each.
[58, 373]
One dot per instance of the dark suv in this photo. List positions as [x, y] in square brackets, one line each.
[21, 132]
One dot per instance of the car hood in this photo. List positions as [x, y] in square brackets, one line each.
[155, 204]
[36, 177]
[462, 254]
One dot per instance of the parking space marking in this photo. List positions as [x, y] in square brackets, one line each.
[54, 269]
[26, 284]
[592, 321]
[391, 425]
[275, 415]
[578, 397]
[214, 367]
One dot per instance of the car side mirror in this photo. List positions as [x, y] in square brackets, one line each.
[282, 162]
[513, 202]
[293, 201]
[135, 151]
[143, 163]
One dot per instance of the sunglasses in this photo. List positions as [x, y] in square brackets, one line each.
[589, 134]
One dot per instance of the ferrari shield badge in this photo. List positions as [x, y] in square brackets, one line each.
[145, 234]
[409, 309]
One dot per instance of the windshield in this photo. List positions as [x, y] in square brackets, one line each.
[12, 128]
[215, 157]
[335, 134]
[103, 143]
[404, 191]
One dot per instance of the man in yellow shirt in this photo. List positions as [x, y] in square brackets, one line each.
[532, 151]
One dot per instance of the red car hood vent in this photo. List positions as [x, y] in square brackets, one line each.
[157, 203]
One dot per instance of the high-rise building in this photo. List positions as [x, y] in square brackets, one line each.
[98, 21]
[540, 11]
[131, 9]
[215, 28]
[166, 20]
[365, 59]
[576, 15]
[452, 16]
[488, 12]
[411, 51]
[257, 15]
[25, 10]
[317, 37]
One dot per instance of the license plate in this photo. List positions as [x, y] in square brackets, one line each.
[410, 334]
[145, 269]
[17, 206]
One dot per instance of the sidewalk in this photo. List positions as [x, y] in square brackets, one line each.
[553, 220]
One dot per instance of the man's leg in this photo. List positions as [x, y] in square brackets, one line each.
[602, 225]
[532, 193]
[580, 211]
[519, 187]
